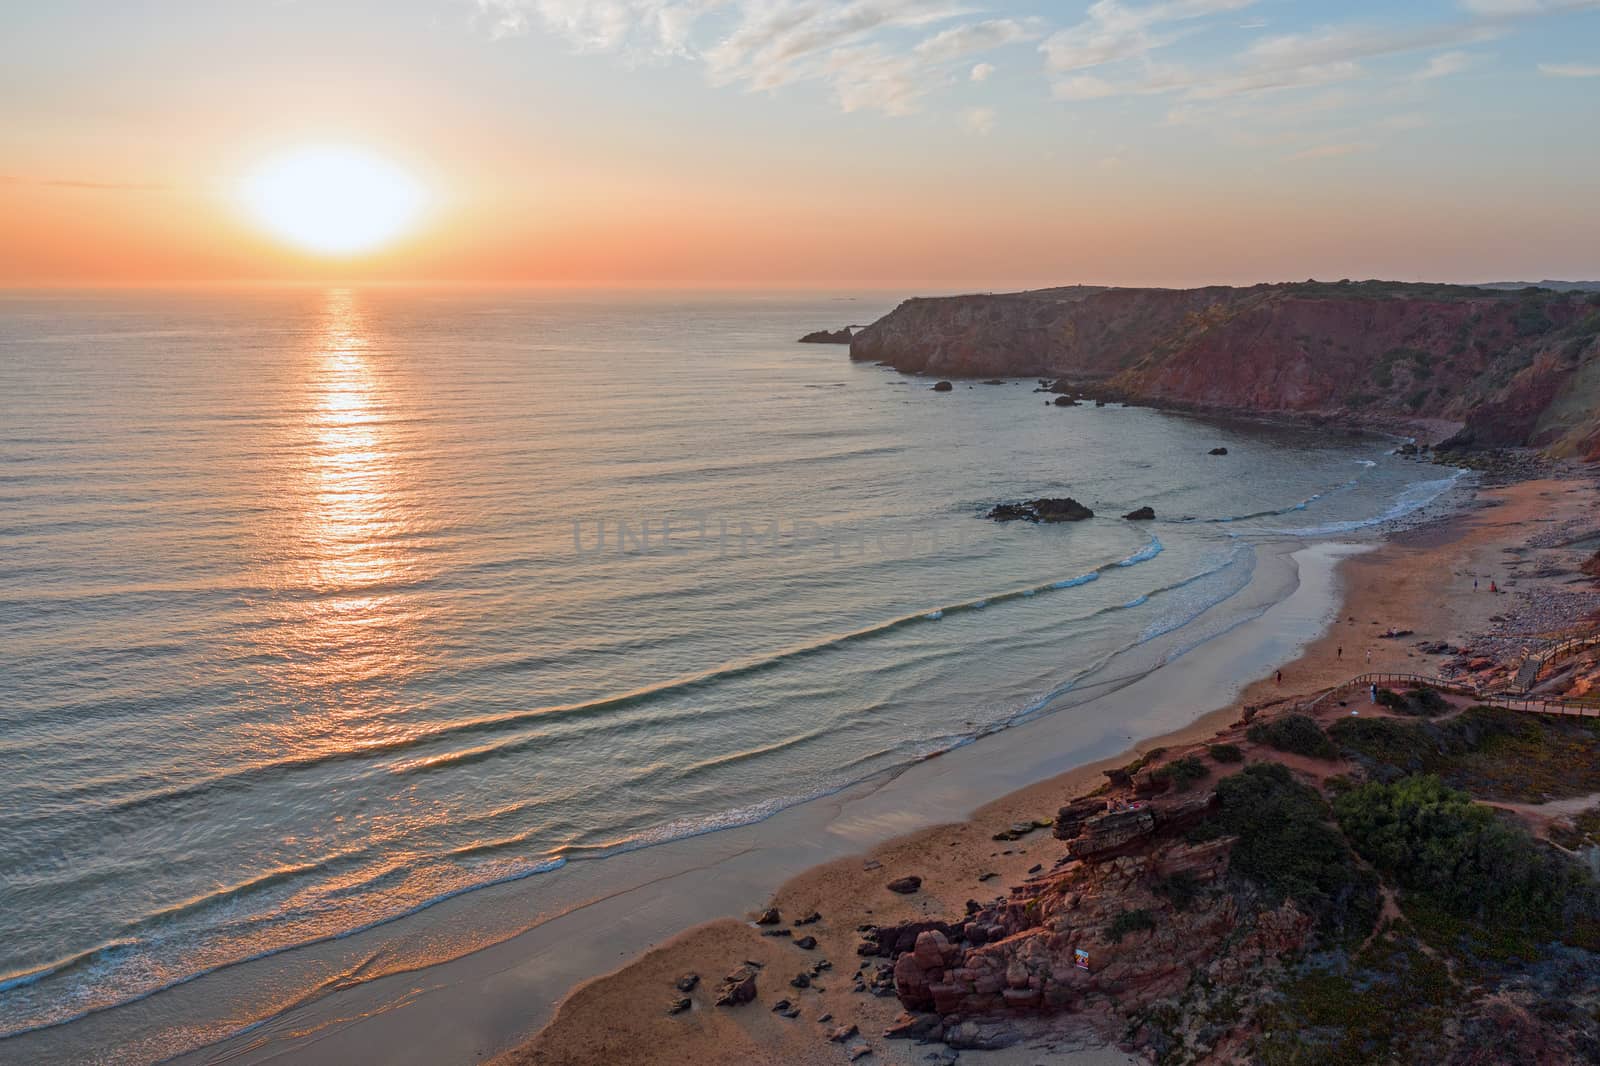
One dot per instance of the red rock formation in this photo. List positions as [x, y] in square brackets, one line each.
[1516, 367]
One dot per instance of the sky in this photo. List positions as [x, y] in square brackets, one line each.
[929, 144]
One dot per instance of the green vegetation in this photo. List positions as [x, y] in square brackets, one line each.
[1288, 847]
[1531, 321]
[1491, 752]
[1435, 841]
[1129, 922]
[1226, 753]
[1418, 363]
[1387, 1005]
[1419, 700]
[1182, 773]
[1347, 289]
[1295, 733]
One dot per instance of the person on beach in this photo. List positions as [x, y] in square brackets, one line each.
[1369, 656]
[1493, 587]
[1338, 653]
[1280, 677]
[1373, 694]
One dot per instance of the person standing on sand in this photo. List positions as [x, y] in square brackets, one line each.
[1369, 656]
[1338, 653]
[1280, 677]
[1373, 695]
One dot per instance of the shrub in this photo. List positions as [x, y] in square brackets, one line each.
[1421, 701]
[1129, 922]
[1182, 773]
[1226, 753]
[1295, 733]
[1289, 849]
[1436, 841]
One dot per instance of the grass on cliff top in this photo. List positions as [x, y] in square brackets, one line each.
[1491, 752]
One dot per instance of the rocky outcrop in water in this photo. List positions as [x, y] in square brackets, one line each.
[824, 336]
[1516, 367]
[1045, 509]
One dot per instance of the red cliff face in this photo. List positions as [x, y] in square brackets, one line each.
[1518, 367]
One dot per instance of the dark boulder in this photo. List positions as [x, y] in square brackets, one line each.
[738, 988]
[1065, 509]
[942, 386]
[1218, 451]
[1046, 509]
[905, 886]
[1066, 401]
[1143, 514]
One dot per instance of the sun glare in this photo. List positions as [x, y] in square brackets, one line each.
[334, 201]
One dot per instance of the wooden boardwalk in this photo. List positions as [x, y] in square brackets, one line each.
[1587, 707]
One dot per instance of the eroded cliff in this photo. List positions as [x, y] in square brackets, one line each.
[1516, 367]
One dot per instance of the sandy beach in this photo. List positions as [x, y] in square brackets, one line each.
[1433, 580]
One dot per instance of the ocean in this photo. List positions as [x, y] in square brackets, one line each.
[320, 607]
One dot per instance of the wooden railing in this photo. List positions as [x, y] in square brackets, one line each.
[1584, 707]
[1535, 661]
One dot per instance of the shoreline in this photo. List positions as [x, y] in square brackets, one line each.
[1383, 581]
[665, 889]
[498, 995]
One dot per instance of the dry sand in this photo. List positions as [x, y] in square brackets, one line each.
[1420, 580]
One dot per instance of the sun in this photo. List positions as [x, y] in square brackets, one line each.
[334, 201]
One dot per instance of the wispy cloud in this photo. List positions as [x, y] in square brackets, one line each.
[976, 37]
[978, 120]
[892, 55]
[1569, 70]
[80, 183]
[1328, 151]
[858, 48]
[1444, 65]
[1121, 48]
[1113, 31]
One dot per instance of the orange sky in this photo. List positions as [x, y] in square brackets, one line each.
[958, 151]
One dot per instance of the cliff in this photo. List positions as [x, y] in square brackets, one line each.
[1515, 367]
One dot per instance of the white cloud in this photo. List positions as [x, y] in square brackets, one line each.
[982, 72]
[1520, 8]
[1084, 87]
[1569, 70]
[1114, 31]
[849, 45]
[1444, 65]
[974, 37]
[978, 120]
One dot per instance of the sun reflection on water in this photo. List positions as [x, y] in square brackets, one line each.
[351, 525]
[349, 636]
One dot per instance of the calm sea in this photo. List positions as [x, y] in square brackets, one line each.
[318, 607]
